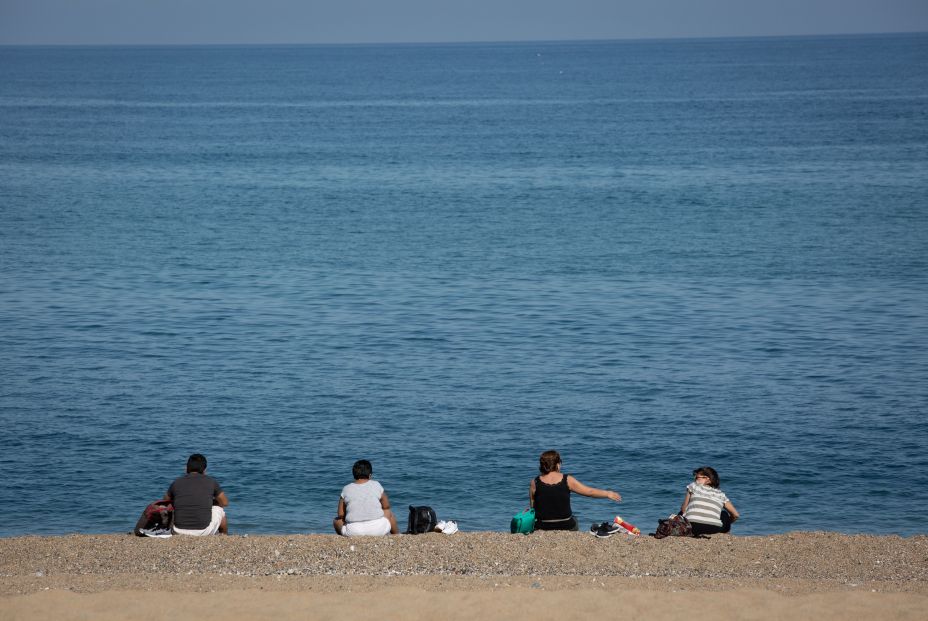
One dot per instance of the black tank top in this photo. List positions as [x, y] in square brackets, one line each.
[552, 501]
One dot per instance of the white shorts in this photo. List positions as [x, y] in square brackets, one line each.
[212, 529]
[370, 528]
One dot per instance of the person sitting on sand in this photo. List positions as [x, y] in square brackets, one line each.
[705, 506]
[549, 494]
[363, 507]
[198, 501]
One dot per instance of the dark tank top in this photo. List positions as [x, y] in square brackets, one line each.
[552, 502]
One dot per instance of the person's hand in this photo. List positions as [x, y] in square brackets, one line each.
[611, 495]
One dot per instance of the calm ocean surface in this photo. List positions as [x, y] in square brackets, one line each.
[649, 255]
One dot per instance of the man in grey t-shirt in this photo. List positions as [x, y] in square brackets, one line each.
[363, 507]
[198, 501]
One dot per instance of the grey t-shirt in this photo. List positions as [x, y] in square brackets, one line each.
[193, 496]
[362, 501]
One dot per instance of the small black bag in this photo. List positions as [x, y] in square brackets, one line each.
[421, 520]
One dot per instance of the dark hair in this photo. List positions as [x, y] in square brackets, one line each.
[708, 472]
[549, 461]
[196, 463]
[362, 469]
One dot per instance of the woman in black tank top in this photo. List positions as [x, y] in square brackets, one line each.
[549, 494]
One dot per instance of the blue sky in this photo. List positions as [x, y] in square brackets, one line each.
[371, 21]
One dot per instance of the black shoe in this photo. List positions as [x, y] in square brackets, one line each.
[607, 530]
[595, 526]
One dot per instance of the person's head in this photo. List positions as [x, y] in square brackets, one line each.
[196, 463]
[706, 476]
[362, 469]
[549, 461]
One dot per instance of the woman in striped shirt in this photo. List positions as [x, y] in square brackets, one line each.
[707, 507]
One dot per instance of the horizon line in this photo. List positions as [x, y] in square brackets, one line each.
[474, 41]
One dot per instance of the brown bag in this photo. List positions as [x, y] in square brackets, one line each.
[674, 526]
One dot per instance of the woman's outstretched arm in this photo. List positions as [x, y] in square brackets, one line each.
[592, 492]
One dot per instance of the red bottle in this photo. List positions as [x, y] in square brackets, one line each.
[629, 527]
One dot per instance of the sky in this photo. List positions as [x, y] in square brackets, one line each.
[414, 21]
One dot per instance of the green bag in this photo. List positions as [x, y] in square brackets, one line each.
[523, 523]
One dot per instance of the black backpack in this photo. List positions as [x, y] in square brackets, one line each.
[421, 520]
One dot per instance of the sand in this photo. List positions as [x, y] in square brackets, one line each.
[465, 575]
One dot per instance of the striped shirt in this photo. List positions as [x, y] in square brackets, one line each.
[705, 506]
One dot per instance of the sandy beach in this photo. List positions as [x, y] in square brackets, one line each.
[493, 575]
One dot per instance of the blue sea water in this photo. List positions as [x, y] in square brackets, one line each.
[650, 255]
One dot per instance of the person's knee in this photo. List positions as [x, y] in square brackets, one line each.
[223, 523]
[725, 517]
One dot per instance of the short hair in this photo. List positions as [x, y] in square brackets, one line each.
[196, 463]
[706, 471]
[549, 461]
[362, 469]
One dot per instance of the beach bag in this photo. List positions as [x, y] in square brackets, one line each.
[156, 518]
[674, 526]
[421, 520]
[523, 523]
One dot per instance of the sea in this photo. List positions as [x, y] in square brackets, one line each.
[648, 255]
